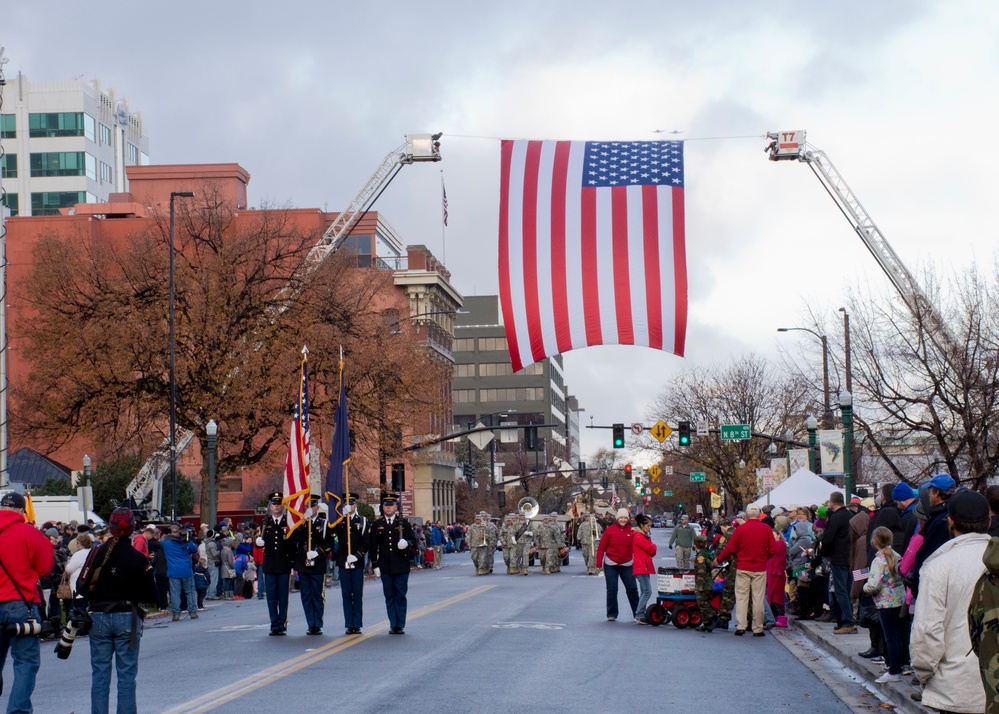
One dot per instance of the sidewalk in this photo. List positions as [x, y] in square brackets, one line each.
[845, 649]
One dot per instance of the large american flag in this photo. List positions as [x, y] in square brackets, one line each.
[591, 246]
[297, 466]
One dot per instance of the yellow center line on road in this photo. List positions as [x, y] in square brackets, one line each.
[235, 690]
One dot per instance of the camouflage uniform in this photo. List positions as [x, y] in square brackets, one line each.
[525, 542]
[547, 549]
[728, 593]
[704, 582]
[588, 536]
[477, 534]
[558, 531]
[983, 625]
[506, 537]
[492, 538]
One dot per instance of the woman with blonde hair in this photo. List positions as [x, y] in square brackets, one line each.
[884, 584]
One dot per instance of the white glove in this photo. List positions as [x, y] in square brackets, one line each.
[308, 512]
[346, 509]
[260, 542]
[403, 544]
[351, 559]
[312, 554]
[378, 572]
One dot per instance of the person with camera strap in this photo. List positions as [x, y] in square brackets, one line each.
[115, 580]
[25, 556]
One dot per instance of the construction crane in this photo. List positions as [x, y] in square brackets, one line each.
[791, 146]
[145, 491]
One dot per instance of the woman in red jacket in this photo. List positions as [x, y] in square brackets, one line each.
[616, 555]
[643, 569]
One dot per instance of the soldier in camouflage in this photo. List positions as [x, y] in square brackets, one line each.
[588, 536]
[492, 538]
[477, 539]
[983, 624]
[558, 531]
[704, 582]
[506, 537]
[524, 537]
[728, 593]
[545, 541]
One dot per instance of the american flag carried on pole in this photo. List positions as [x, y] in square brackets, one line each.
[297, 466]
[591, 246]
[340, 456]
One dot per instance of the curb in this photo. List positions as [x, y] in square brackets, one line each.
[845, 648]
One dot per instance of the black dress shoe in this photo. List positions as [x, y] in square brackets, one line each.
[759, 634]
[277, 633]
[397, 631]
[315, 631]
[868, 654]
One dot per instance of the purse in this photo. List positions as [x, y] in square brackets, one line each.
[64, 591]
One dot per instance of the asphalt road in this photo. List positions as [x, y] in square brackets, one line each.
[491, 643]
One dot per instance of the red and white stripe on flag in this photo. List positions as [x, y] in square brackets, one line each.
[591, 246]
[296, 475]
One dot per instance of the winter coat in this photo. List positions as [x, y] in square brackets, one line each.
[885, 585]
[858, 540]
[801, 542]
[777, 571]
[26, 554]
[886, 517]
[617, 545]
[75, 565]
[228, 563]
[178, 557]
[940, 642]
[752, 544]
[158, 556]
[935, 534]
[645, 551]
[836, 537]
[212, 551]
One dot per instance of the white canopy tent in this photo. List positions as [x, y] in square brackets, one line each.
[802, 488]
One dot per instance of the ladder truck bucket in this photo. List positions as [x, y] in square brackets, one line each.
[786, 145]
[422, 147]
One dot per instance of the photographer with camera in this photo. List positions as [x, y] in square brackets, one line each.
[179, 548]
[25, 556]
[115, 580]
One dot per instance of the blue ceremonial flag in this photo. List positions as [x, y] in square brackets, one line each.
[340, 456]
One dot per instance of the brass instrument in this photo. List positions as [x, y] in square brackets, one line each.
[529, 507]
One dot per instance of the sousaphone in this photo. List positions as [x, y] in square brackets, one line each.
[529, 507]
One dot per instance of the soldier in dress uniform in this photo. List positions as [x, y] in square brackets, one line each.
[313, 542]
[492, 537]
[478, 543]
[390, 538]
[350, 561]
[278, 557]
[524, 537]
[589, 536]
[506, 537]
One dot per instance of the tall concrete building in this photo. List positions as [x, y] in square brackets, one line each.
[486, 387]
[66, 143]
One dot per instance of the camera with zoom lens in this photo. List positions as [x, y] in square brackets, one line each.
[70, 632]
[28, 628]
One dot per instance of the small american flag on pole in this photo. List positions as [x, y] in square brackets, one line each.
[297, 466]
[591, 246]
[444, 204]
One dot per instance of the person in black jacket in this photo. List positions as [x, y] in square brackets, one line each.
[836, 547]
[115, 591]
[391, 536]
[350, 561]
[313, 543]
[933, 495]
[905, 500]
[158, 558]
[278, 556]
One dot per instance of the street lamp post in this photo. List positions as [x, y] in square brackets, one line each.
[846, 405]
[173, 374]
[86, 469]
[813, 425]
[846, 349]
[211, 430]
[826, 410]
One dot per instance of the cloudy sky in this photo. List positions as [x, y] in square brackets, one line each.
[901, 94]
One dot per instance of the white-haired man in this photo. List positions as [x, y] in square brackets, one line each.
[752, 545]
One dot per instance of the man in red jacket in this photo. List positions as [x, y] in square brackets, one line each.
[616, 555]
[26, 555]
[752, 544]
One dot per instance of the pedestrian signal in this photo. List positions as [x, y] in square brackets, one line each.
[618, 435]
[684, 433]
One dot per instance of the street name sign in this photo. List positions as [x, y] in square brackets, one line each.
[736, 432]
[697, 476]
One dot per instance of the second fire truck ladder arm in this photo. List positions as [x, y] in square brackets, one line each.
[790, 145]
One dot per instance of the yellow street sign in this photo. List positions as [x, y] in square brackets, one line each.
[654, 472]
[656, 490]
[661, 431]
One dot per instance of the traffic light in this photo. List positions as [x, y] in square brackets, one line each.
[603, 483]
[530, 438]
[469, 471]
[618, 436]
[582, 470]
[684, 433]
[711, 489]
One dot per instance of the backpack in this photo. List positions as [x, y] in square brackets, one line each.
[983, 612]
[90, 573]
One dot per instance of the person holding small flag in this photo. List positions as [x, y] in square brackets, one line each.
[390, 538]
[351, 549]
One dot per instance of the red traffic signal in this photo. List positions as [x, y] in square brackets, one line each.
[711, 489]
[627, 470]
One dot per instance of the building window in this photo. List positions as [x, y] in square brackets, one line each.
[59, 163]
[359, 245]
[12, 204]
[91, 164]
[519, 394]
[143, 159]
[58, 124]
[464, 370]
[8, 126]
[465, 344]
[131, 153]
[107, 176]
[8, 166]
[48, 203]
[464, 396]
[89, 127]
[492, 344]
[495, 369]
[104, 134]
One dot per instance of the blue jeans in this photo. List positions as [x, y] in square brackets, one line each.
[892, 629]
[842, 578]
[25, 651]
[215, 581]
[110, 635]
[611, 575]
[644, 593]
[177, 585]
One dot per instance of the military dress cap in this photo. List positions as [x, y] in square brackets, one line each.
[390, 496]
[350, 496]
[275, 497]
[314, 499]
[13, 500]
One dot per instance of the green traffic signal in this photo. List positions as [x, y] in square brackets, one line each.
[618, 430]
[683, 432]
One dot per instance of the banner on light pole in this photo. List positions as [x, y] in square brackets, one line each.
[831, 451]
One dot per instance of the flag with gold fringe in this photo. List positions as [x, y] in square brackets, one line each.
[340, 456]
[297, 467]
